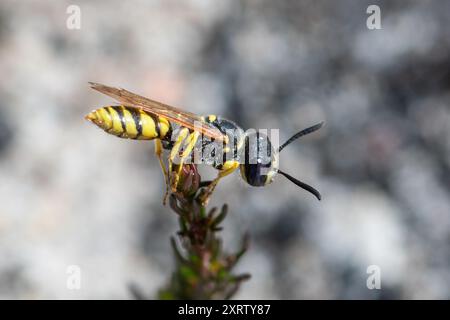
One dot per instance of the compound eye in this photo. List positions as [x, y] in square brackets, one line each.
[254, 174]
[257, 159]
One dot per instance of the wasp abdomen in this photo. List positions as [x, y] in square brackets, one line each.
[131, 123]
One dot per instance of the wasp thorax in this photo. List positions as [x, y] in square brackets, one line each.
[221, 155]
[260, 163]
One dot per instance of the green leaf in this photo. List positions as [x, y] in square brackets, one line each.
[220, 217]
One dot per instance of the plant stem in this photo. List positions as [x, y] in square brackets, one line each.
[203, 270]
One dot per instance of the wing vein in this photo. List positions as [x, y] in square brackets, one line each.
[183, 118]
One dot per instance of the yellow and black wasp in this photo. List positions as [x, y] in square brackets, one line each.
[184, 133]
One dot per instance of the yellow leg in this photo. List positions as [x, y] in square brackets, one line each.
[189, 144]
[176, 147]
[228, 167]
[158, 152]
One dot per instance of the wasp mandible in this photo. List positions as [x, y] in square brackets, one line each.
[144, 119]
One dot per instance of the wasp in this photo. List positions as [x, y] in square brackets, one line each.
[184, 134]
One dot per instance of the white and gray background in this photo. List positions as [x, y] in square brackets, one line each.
[73, 195]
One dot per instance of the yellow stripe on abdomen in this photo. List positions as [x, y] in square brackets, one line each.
[164, 127]
[106, 117]
[116, 128]
[132, 123]
[149, 126]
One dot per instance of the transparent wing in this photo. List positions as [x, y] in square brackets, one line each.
[183, 118]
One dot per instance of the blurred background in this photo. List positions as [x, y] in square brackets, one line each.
[73, 195]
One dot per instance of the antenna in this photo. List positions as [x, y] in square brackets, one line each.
[300, 134]
[302, 185]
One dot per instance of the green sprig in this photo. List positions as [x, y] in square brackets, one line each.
[203, 270]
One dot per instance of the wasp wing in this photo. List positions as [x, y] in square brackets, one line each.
[183, 118]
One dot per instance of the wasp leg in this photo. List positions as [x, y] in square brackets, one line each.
[188, 147]
[227, 168]
[158, 152]
[174, 154]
